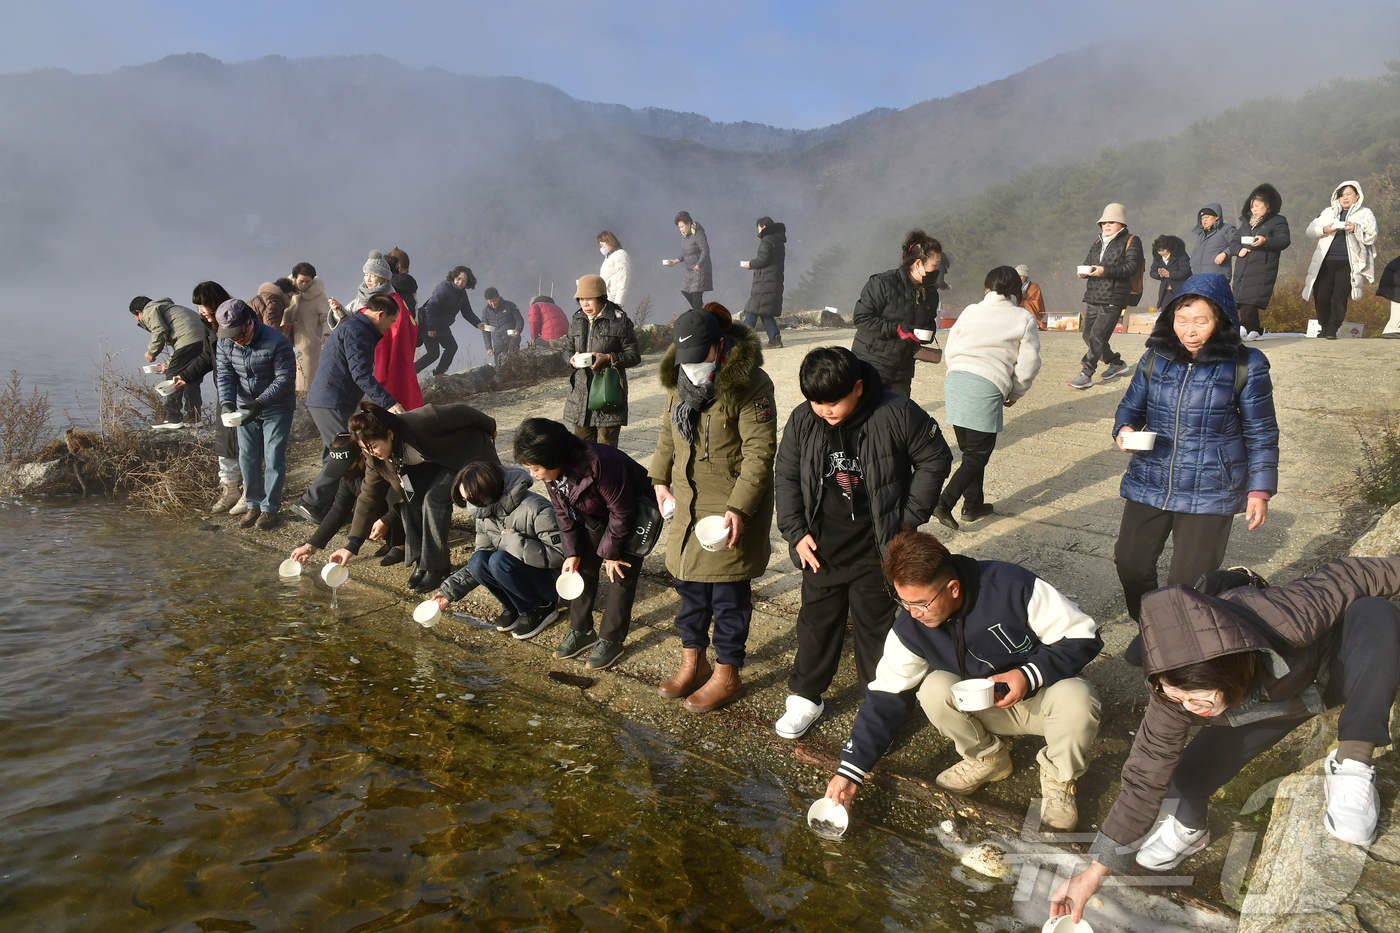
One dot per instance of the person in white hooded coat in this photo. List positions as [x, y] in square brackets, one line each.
[1345, 254]
[616, 268]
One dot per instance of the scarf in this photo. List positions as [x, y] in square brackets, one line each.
[692, 399]
[365, 293]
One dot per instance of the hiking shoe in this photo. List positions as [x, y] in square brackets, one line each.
[981, 511]
[303, 513]
[1081, 381]
[534, 623]
[1171, 844]
[968, 775]
[268, 521]
[1113, 372]
[1058, 809]
[945, 518]
[801, 713]
[775, 344]
[240, 507]
[574, 644]
[1352, 808]
[604, 654]
[228, 498]
[250, 518]
[506, 621]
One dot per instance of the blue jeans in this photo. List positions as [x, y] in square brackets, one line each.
[770, 324]
[262, 456]
[515, 583]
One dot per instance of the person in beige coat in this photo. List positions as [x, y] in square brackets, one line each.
[1345, 254]
[307, 323]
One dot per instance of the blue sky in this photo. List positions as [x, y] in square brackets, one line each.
[786, 63]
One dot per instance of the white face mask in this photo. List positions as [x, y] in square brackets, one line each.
[698, 373]
[603, 250]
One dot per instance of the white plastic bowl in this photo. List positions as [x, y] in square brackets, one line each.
[711, 532]
[335, 574]
[289, 569]
[1249, 240]
[975, 694]
[232, 419]
[828, 819]
[1083, 270]
[1066, 924]
[582, 360]
[569, 585]
[151, 369]
[427, 613]
[165, 387]
[668, 511]
[1139, 440]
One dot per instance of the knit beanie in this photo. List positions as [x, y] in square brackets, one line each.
[377, 265]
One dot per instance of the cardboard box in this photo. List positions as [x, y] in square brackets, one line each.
[1142, 322]
[1350, 330]
[1055, 321]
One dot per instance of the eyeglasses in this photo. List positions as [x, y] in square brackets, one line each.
[1189, 703]
[916, 608]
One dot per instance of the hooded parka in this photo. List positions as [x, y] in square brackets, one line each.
[729, 467]
[766, 294]
[534, 539]
[1181, 626]
[1361, 241]
[1256, 273]
[611, 332]
[890, 302]
[1211, 243]
[1210, 453]
[170, 324]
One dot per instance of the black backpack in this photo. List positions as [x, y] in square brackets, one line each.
[1149, 362]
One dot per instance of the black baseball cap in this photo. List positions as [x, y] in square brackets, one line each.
[694, 334]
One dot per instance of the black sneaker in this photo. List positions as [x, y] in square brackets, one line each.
[604, 654]
[574, 644]
[535, 622]
[507, 620]
[945, 518]
[303, 513]
[981, 511]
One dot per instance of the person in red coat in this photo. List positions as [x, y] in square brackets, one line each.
[547, 320]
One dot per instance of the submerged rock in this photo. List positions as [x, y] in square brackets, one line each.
[988, 860]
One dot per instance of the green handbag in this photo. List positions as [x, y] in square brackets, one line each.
[605, 390]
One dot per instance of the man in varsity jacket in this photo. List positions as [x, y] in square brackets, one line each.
[962, 618]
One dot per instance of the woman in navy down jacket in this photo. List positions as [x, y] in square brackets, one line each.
[1216, 452]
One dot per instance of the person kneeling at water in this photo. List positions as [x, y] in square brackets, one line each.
[518, 550]
[965, 618]
[1252, 664]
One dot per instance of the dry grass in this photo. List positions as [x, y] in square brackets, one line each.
[1289, 313]
[642, 311]
[24, 421]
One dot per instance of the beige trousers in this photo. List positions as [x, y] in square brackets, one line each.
[1066, 713]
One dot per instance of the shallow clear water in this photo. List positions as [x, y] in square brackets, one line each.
[189, 745]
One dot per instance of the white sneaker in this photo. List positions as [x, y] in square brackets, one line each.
[239, 507]
[1244, 334]
[1352, 807]
[801, 713]
[168, 426]
[1171, 844]
[1253, 335]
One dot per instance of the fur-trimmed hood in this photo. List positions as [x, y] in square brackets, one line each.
[1222, 345]
[732, 379]
[1270, 195]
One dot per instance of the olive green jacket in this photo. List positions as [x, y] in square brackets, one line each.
[728, 468]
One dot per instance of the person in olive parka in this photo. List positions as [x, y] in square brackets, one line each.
[714, 456]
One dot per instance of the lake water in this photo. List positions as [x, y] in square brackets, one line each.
[189, 746]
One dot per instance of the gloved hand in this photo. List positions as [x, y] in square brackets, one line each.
[906, 335]
[255, 409]
[228, 408]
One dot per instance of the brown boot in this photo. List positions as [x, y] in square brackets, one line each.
[695, 671]
[724, 686]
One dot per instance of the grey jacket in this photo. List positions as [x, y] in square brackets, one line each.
[1211, 243]
[521, 523]
[695, 251]
[171, 325]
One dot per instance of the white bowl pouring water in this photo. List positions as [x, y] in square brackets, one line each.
[828, 819]
[335, 575]
[427, 613]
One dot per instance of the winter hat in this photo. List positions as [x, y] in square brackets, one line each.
[683, 217]
[695, 332]
[399, 258]
[491, 293]
[591, 286]
[376, 265]
[1023, 269]
[231, 317]
[1115, 213]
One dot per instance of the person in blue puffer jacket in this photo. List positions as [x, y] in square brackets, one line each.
[1211, 402]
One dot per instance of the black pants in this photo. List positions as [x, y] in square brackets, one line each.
[1198, 547]
[1331, 289]
[622, 593]
[321, 493]
[189, 398]
[606, 435]
[446, 341]
[827, 597]
[696, 299]
[1249, 319]
[728, 605]
[1099, 321]
[1365, 672]
[966, 483]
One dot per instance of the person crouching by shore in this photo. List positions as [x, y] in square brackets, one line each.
[1252, 662]
[518, 550]
[598, 493]
[413, 457]
[714, 457]
[856, 465]
[345, 464]
[963, 618]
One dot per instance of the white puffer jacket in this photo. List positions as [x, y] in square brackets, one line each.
[615, 273]
[998, 340]
[1361, 241]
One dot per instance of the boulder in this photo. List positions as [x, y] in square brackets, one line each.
[1383, 539]
[20, 478]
